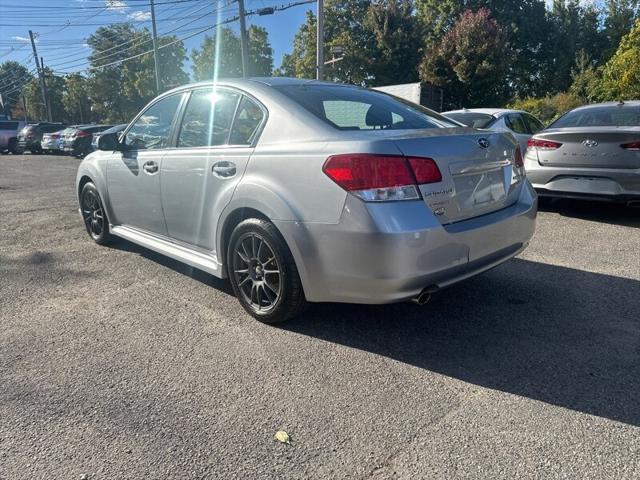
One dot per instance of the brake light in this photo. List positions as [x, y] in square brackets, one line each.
[517, 158]
[634, 146]
[542, 144]
[81, 133]
[377, 178]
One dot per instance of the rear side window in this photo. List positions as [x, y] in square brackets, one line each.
[534, 124]
[152, 129]
[352, 108]
[207, 118]
[245, 126]
[606, 116]
[516, 123]
[8, 125]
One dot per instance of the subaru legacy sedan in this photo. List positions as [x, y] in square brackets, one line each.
[304, 191]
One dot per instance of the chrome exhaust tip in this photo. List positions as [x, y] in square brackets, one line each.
[422, 298]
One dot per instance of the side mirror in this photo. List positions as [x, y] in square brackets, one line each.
[109, 142]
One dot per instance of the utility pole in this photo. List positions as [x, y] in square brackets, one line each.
[320, 41]
[46, 91]
[244, 49]
[155, 45]
[40, 74]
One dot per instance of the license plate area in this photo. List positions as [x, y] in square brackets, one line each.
[480, 191]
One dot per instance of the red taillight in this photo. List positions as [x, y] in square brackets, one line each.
[425, 170]
[542, 144]
[375, 177]
[517, 158]
[635, 146]
[81, 133]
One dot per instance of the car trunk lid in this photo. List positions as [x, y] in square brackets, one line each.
[590, 147]
[478, 171]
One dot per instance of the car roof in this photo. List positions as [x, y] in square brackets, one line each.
[625, 103]
[496, 112]
[247, 82]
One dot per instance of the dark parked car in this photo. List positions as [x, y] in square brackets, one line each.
[9, 135]
[30, 137]
[96, 136]
[77, 141]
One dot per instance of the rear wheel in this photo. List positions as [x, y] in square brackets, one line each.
[263, 273]
[93, 214]
[13, 146]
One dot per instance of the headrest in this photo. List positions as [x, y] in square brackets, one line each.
[378, 116]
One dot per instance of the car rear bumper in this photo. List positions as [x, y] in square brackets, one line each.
[572, 182]
[390, 252]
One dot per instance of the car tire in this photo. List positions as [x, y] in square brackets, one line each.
[263, 272]
[94, 215]
[13, 146]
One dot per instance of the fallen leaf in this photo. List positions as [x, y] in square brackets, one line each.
[283, 437]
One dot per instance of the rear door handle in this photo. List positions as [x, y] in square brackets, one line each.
[224, 169]
[150, 167]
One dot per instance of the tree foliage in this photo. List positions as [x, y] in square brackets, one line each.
[621, 74]
[220, 55]
[469, 61]
[13, 78]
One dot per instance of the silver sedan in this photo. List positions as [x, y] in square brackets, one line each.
[302, 191]
[590, 152]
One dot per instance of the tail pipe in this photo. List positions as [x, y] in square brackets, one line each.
[422, 298]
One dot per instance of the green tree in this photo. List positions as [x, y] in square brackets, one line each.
[75, 101]
[621, 74]
[118, 86]
[620, 16]
[585, 79]
[436, 17]
[13, 78]
[469, 62]
[220, 55]
[301, 62]
[397, 39]
[36, 109]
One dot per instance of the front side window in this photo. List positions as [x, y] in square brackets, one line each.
[246, 124]
[352, 108]
[207, 118]
[152, 129]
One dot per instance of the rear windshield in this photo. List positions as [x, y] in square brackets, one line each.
[8, 125]
[472, 119]
[609, 116]
[352, 108]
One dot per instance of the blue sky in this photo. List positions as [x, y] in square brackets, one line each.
[63, 26]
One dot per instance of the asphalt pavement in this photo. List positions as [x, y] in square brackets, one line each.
[117, 363]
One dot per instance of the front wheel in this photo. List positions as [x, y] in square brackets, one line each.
[263, 273]
[93, 214]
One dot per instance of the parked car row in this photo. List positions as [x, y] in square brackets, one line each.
[46, 137]
[590, 152]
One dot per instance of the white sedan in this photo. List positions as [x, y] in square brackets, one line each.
[521, 124]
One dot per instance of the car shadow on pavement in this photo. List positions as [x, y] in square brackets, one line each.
[180, 267]
[558, 335]
[603, 212]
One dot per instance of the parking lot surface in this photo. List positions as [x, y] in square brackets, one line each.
[117, 363]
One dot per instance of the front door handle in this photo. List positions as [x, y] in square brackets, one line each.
[224, 169]
[150, 167]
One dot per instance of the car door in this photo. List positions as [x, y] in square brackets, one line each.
[515, 122]
[133, 175]
[218, 130]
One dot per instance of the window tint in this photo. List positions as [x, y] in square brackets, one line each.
[516, 123]
[207, 118]
[248, 119]
[152, 129]
[351, 108]
[607, 116]
[472, 119]
[534, 124]
[8, 125]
